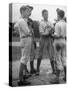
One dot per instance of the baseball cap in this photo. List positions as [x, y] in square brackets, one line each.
[24, 7]
[28, 6]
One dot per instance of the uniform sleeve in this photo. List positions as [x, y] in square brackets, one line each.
[57, 30]
[23, 27]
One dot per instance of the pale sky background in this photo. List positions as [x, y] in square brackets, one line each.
[36, 13]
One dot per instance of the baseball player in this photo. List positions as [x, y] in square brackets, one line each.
[46, 28]
[25, 41]
[60, 45]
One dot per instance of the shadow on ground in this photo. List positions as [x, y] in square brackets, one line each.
[43, 79]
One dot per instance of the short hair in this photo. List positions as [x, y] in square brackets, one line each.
[57, 9]
[65, 19]
[44, 11]
[25, 7]
[61, 13]
[29, 7]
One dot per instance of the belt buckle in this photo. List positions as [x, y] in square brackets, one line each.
[37, 43]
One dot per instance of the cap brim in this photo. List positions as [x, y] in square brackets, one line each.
[30, 7]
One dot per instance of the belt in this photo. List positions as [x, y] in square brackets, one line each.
[26, 36]
[44, 36]
[60, 38]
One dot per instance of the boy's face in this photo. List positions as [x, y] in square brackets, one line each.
[27, 12]
[45, 15]
[58, 17]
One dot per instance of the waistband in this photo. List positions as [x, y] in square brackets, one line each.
[45, 36]
[26, 36]
[60, 37]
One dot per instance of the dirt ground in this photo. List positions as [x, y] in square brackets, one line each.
[43, 79]
[45, 70]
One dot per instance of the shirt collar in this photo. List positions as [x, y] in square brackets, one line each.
[25, 19]
[62, 20]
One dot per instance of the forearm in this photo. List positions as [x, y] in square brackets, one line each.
[27, 34]
[56, 36]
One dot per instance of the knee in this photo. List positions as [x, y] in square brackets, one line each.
[24, 60]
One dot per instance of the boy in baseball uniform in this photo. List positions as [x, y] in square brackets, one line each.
[45, 28]
[25, 41]
[60, 45]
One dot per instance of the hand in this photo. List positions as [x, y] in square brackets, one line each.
[45, 33]
[51, 31]
[48, 28]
